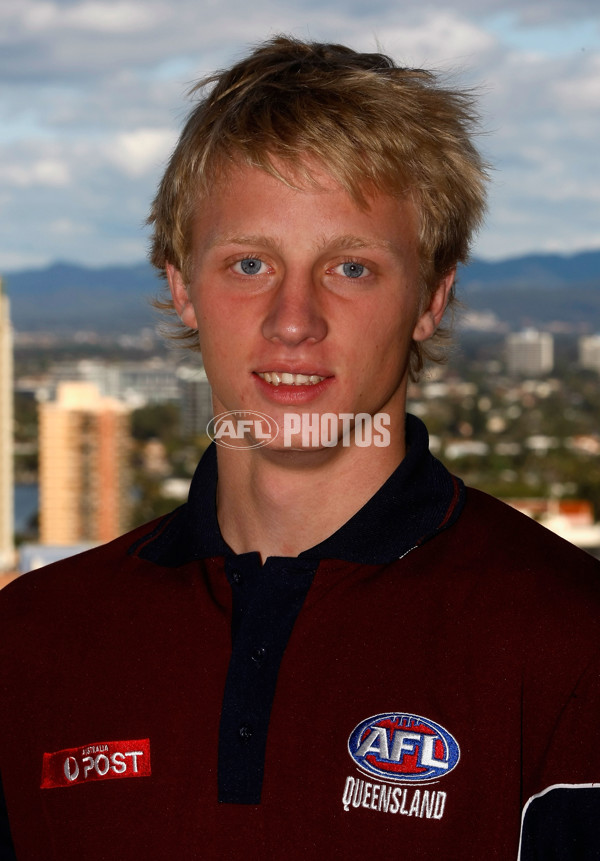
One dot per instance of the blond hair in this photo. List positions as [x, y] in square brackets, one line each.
[371, 125]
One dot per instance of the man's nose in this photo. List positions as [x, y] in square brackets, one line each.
[295, 314]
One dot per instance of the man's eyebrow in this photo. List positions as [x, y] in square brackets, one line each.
[242, 240]
[351, 241]
[346, 241]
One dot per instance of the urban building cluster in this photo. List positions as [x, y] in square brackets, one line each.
[531, 353]
[524, 430]
[84, 445]
[84, 439]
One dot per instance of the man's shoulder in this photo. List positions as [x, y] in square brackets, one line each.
[500, 523]
[95, 571]
[496, 538]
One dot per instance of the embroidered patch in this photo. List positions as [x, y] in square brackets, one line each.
[106, 760]
[403, 748]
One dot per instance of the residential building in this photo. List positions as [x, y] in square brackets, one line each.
[84, 466]
[195, 400]
[530, 353]
[589, 352]
[151, 381]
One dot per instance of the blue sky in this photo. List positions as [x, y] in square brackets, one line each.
[92, 96]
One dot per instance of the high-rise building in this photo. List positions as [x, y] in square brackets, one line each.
[152, 381]
[589, 352]
[530, 353]
[195, 399]
[84, 466]
[7, 552]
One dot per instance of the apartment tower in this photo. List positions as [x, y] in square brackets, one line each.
[589, 352]
[84, 466]
[530, 353]
[7, 553]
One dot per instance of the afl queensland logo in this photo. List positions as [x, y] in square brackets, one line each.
[403, 748]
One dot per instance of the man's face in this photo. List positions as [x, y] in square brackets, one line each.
[304, 301]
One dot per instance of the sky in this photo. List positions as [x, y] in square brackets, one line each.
[93, 95]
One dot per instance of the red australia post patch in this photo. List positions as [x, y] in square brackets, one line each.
[105, 760]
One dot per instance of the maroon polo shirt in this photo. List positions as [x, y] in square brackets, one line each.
[406, 689]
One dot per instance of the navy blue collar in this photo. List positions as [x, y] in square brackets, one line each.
[418, 500]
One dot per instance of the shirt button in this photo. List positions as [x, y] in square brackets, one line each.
[245, 732]
[258, 655]
[236, 576]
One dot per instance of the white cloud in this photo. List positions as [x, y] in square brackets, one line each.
[48, 172]
[120, 17]
[140, 151]
[581, 92]
[39, 16]
[66, 227]
[97, 17]
[438, 39]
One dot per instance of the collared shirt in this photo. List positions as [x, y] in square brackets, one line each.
[406, 688]
[418, 500]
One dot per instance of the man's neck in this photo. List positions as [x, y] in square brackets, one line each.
[282, 503]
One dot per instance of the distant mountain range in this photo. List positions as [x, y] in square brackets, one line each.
[529, 290]
[534, 272]
[64, 297]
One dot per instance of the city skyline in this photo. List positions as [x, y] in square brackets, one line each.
[94, 96]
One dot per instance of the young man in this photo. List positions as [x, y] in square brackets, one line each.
[333, 650]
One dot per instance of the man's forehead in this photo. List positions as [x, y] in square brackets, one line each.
[308, 173]
[242, 208]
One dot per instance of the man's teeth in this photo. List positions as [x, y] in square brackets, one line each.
[278, 378]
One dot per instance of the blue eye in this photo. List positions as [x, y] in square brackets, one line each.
[249, 265]
[353, 270]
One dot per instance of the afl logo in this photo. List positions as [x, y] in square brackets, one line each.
[403, 748]
[242, 429]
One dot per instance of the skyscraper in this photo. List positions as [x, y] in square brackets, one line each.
[195, 400]
[84, 466]
[530, 353]
[589, 352]
[6, 436]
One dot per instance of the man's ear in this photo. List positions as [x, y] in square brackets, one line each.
[431, 317]
[181, 298]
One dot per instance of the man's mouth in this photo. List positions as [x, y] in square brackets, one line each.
[283, 378]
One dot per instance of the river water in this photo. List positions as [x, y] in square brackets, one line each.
[26, 504]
